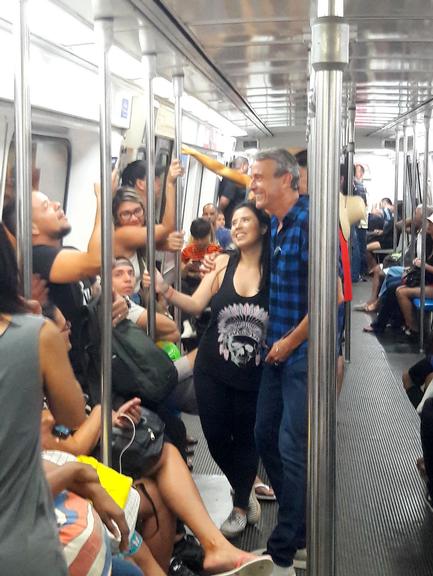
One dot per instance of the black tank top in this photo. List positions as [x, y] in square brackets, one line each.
[232, 346]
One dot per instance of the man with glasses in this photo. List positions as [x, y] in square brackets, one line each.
[281, 425]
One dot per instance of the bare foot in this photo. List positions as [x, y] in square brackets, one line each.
[226, 557]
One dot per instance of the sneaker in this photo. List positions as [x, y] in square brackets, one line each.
[253, 510]
[235, 523]
[188, 331]
[178, 568]
[300, 559]
[283, 570]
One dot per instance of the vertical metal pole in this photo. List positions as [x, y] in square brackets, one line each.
[396, 162]
[403, 241]
[148, 61]
[350, 155]
[427, 116]
[178, 91]
[330, 47]
[412, 194]
[104, 37]
[23, 146]
[4, 169]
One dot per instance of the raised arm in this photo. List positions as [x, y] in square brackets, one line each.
[133, 237]
[72, 265]
[220, 169]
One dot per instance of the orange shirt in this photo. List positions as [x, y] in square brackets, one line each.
[193, 252]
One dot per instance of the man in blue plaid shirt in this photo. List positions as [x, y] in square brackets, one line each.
[281, 425]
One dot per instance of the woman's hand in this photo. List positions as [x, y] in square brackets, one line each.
[160, 285]
[174, 241]
[175, 170]
[132, 408]
[417, 262]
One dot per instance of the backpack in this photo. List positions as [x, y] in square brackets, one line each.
[139, 367]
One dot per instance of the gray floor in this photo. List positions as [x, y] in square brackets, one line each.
[383, 525]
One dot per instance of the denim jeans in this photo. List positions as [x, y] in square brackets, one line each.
[281, 437]
[355, 261]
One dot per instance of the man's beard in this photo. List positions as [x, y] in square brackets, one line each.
[62, 232]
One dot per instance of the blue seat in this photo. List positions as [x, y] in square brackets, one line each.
[428, 304]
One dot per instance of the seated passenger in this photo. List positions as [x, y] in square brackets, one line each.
[193, 254]
[129, 216]
[33, 355]
[81, 532]
[124, 284]
[210, 212]
[397, 301]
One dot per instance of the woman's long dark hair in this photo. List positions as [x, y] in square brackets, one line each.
[264, 221]
[10, 299]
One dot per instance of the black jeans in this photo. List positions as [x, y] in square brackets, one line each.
[389, 310]
[228, 417]
[427, 440]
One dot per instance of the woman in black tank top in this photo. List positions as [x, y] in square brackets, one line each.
[228, 365]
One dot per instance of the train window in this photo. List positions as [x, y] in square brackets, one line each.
[51, 161]
[163, 152]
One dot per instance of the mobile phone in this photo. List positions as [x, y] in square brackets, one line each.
[114, 160]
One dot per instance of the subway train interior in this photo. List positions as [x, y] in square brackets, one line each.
[348, 80]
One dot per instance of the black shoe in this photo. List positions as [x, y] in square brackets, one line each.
[189, 551]
[178, 568]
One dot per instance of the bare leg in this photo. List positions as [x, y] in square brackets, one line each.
[159, 533]
[181, 496]
[378, 277]
[404, 296]
[146, 562]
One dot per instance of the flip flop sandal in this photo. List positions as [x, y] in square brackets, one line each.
[260, 566]
[260, 495]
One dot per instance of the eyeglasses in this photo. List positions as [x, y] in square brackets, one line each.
[127, 215]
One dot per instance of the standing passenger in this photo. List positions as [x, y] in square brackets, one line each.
[33, 360]
[228, 365]
[281, 426]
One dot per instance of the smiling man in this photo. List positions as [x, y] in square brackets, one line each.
[281, 425]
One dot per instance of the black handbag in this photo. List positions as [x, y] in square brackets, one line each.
[412, 278]
[135, 453]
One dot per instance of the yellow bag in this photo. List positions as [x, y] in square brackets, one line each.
[117, 485]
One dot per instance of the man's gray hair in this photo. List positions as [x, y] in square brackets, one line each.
[285, 162]
[239, 161]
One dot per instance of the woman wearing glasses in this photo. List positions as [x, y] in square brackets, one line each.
[130, 236]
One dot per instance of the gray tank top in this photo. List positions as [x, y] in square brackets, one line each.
[29, 542]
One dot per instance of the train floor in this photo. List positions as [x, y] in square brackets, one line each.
[384, 526]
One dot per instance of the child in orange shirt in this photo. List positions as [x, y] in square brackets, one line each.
[195, 251]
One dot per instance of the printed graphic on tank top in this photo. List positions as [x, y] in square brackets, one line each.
[232, 346]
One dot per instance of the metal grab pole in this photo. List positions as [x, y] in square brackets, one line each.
[403, 241]
[330, 47]
[104, 37]
[178, 91]
[427, 116]
[148, 61]
[23, 147]
[412, 195]
[396, 162]
[350, 156]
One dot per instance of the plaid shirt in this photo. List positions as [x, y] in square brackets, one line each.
[288, 296]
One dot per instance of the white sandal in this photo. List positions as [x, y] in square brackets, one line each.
[260, 566]
[260, 495]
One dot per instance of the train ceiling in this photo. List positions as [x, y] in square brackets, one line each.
[248, 59]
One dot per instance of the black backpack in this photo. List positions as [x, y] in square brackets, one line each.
[139, 367]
